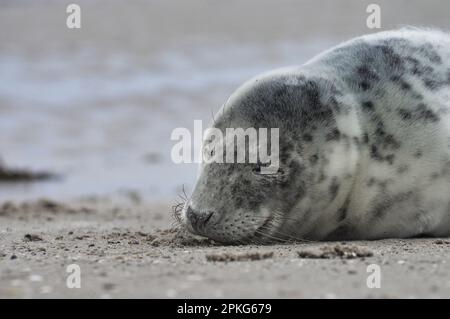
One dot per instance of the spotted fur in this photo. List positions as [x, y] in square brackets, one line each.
[364, 146]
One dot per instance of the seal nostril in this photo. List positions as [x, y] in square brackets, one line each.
[190, 214]
[208, 217]
[192, 217]
[198, 221]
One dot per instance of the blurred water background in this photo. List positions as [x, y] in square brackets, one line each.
[97, 105]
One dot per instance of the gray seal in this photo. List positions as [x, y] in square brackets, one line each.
[364, 147]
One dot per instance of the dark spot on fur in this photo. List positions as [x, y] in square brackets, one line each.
[322, 177]
[286, 151]
[365, 85]
[384, 140]
[374, 153]
[365, 138]
[427, 114]
[382, 184]
[429, 52]
[371, 182]
[420, 113]
[334, 104]
[400, 81]
[375, 182]
[379, 132]
[313, 159]
[411, 60]
[390, 142]
[396, 78]
[405, 85]
[405, 114]
[293, 186]
[390, 158]
[342, 212]
[381, 208]
[334, 135]
[334, 188]
[367, 105]
[356, 141]
[402, 169]
[434, 175]
[390, 57]
[366, 72]
[307, 137]
[431, 84]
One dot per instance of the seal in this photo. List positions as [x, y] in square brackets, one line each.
[364, 147]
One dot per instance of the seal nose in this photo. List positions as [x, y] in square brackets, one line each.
[198, 220]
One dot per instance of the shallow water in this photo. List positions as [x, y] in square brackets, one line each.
[104, 122]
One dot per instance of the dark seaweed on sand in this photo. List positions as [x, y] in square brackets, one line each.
[11, 175]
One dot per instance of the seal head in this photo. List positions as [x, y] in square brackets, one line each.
[237, 202]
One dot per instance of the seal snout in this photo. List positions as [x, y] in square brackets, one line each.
[197, 220]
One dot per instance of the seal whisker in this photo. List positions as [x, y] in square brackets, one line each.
[176, 214]
[265, 234]
[291, 225]
[288, 237]
[213, 119]
[267, 227]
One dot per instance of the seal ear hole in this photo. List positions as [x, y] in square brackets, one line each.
[257, 169]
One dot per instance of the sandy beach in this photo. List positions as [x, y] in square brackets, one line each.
[125, 250]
